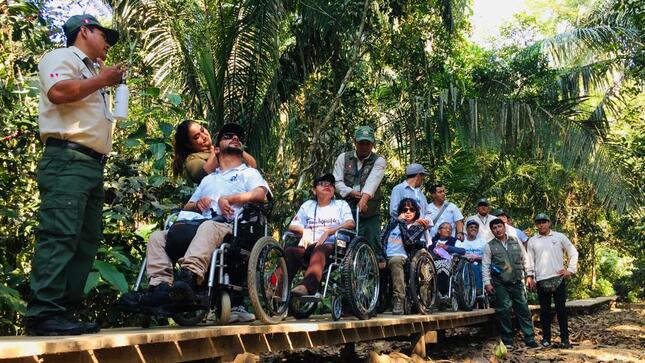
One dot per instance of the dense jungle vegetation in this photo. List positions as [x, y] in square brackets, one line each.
[551, 119]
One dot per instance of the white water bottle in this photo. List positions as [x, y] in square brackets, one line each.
[121, 101]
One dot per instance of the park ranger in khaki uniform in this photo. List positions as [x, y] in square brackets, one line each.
[76, 127]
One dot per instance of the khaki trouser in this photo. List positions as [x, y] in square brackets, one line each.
[209, 236]
[396, 264]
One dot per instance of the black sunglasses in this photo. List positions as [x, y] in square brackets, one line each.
[408, 210]
[231, 135]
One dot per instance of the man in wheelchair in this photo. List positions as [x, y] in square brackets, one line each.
[207, 217]
[317, 221]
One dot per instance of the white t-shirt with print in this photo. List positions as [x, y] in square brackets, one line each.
[474, 247]
[222, 183]
[314, 218]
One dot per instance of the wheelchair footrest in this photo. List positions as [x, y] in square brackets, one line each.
[310, 298]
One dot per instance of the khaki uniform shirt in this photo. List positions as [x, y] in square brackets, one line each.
[194, 166]
[87, 122]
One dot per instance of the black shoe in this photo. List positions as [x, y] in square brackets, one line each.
[155, 296]
[59, 325]
[532, 344]
[565, 345]
[184, 288]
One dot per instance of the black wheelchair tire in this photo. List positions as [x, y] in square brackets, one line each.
[255, 281]
[422, 306]
[350, 281]
[466, 295]
[189, 318]
[298, 309]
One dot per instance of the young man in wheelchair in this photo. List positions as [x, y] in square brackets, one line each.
[317, 221]
[211, 208]
[399, 238]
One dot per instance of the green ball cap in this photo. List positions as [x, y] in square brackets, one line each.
[78, 21]
[364, 133]
[542, 217]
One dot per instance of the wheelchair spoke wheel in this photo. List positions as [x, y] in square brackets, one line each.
[268, 281]
[297, 308]
[360, 278]
[423, 283]
[465, 286]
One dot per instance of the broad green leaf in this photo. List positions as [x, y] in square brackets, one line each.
[174, 99]
[145, 230]
[112, 275]
[92, 281]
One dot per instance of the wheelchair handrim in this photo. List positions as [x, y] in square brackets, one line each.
[364, 271]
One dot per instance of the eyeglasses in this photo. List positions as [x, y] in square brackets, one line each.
[405, 210]
[231, 135]
[325, 183]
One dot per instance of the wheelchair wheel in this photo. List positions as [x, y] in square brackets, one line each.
[268, 281]
[336, 308]
[465, 286]
[360, 278]
[297, 308]
[385, 292]
[423, 283]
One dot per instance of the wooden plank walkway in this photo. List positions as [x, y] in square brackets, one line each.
[175, 344]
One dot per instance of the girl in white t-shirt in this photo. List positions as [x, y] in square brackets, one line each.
[317, 222]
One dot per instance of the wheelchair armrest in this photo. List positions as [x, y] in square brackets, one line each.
[290, 239]
[348, 232]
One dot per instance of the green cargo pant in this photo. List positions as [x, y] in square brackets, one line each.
[69, 230]
[511, 297]
[370, 228]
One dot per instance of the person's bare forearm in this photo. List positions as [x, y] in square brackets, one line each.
[73, 90]
[256, 195]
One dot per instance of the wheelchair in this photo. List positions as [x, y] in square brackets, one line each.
[421, 288]
[461, 289]
[351, 277]
[482, 300]
[233, 268]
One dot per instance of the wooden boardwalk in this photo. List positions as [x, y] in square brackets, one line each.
[175, 344]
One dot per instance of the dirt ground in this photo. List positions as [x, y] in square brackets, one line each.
[606, 336]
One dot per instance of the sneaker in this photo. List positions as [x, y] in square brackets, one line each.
[545, 344]
[184, 288]
[239, 314]
[532, 344]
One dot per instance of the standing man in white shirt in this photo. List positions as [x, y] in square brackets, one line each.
[546, 259]
[443, 211]
[358, 175]
[483, 218]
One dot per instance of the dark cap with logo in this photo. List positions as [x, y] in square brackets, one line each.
[542, 217]
[77, 21]
[499, 212]
[325, 177]
[231, 128]
[364, 133]
[482, 201]
[471, 222]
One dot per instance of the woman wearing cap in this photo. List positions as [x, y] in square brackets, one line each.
[195, 156]
[398, 238]
[443, 245]
[317, 221]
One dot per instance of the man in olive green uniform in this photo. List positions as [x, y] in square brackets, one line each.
[503, 268]
[76, 127]
[358, 176]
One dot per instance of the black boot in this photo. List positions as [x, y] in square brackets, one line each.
[154, 298]
[55, 325]
[184, 288]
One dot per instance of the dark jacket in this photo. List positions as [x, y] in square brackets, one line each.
[451, 245]
[411, 235]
